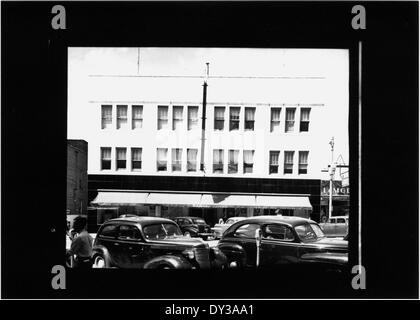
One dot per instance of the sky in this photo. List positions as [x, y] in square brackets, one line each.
[302, 76]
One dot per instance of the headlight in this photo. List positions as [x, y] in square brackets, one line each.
[189, 253]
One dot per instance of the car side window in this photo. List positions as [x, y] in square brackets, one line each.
[278, 231]
[341, 220]
[246, 230]
[332, 220]
[127, 232]
[109, 231]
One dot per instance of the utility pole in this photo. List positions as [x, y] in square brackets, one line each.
[203, 119]
[332, 171]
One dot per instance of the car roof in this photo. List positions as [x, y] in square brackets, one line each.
[292, 221]
[188, 217]
[142, 220]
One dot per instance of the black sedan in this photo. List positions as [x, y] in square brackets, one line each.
[151, 243]
[274, 241]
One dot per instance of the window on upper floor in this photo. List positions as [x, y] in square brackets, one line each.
[192, 118]
[248, 161]
[176, 159]
[192, 159]
[121, 158]
[162, 117]
[234, 113]
[290, 119]
[303, 162]
[288, 162]
[122, 120]
[137, 117]
[274, 161]
[177, 116]
[136, 154]
[249, 118]
[161, 159]
[304, 119]
[105, 158]
[233, 161]
[219, 118]
[106, 116]
[218, 161]
[275, 119]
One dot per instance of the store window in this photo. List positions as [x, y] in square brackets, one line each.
[248, 161]
[219, 118]
[274, 162]
[288, 162]
[233, 161]
[275, 119]
[105, 158]
[192, 118]
[162, 117]
[161, 161]
[121, 158]
[290, 119]
[177, 117]
[249, 118]
[106, 116]
[137, 117]
[192, 159]
[303, 162]
[234, 113]
[304, 119]
[122, 117]
[136, 154]
[218, 161]
[176, 159]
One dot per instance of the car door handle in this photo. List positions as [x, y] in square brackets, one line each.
[116, 244]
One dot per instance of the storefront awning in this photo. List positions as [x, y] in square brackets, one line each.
[201, 200]
[174, 199]
[227, 201]
[286, 202]
[120, 198]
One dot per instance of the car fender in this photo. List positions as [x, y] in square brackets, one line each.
[104, 252]
[233, 251]
[175, 262]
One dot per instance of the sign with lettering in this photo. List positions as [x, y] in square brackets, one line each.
[338, 188]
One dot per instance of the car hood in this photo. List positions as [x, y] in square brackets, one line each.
[187, 241]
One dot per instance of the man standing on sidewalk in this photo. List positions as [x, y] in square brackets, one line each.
[82, 244]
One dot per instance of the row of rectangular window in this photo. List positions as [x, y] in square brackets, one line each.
[218, 160]
[219, 118]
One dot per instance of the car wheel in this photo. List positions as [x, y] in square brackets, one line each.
[187, 234]
[99, 262]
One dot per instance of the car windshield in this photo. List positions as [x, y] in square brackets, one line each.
[309, 232]
[161, 231]
[198, 221]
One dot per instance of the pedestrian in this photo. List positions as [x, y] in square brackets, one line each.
[82, 244]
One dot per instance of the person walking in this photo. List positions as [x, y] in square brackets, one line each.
[82, 244]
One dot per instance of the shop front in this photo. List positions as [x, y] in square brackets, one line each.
[340, 199]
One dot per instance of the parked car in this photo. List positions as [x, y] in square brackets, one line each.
[275, 241]
[194, 227]
[219, 228]
[336, 226]
[151, 243]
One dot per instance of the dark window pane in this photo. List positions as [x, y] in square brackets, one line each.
[136, 165]
[219, 124]
[234, 125]
[304, 126]
[121, 164]
[106, 164]
[249, 125]
[233, 168]
[248, 168]
[274, 169]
